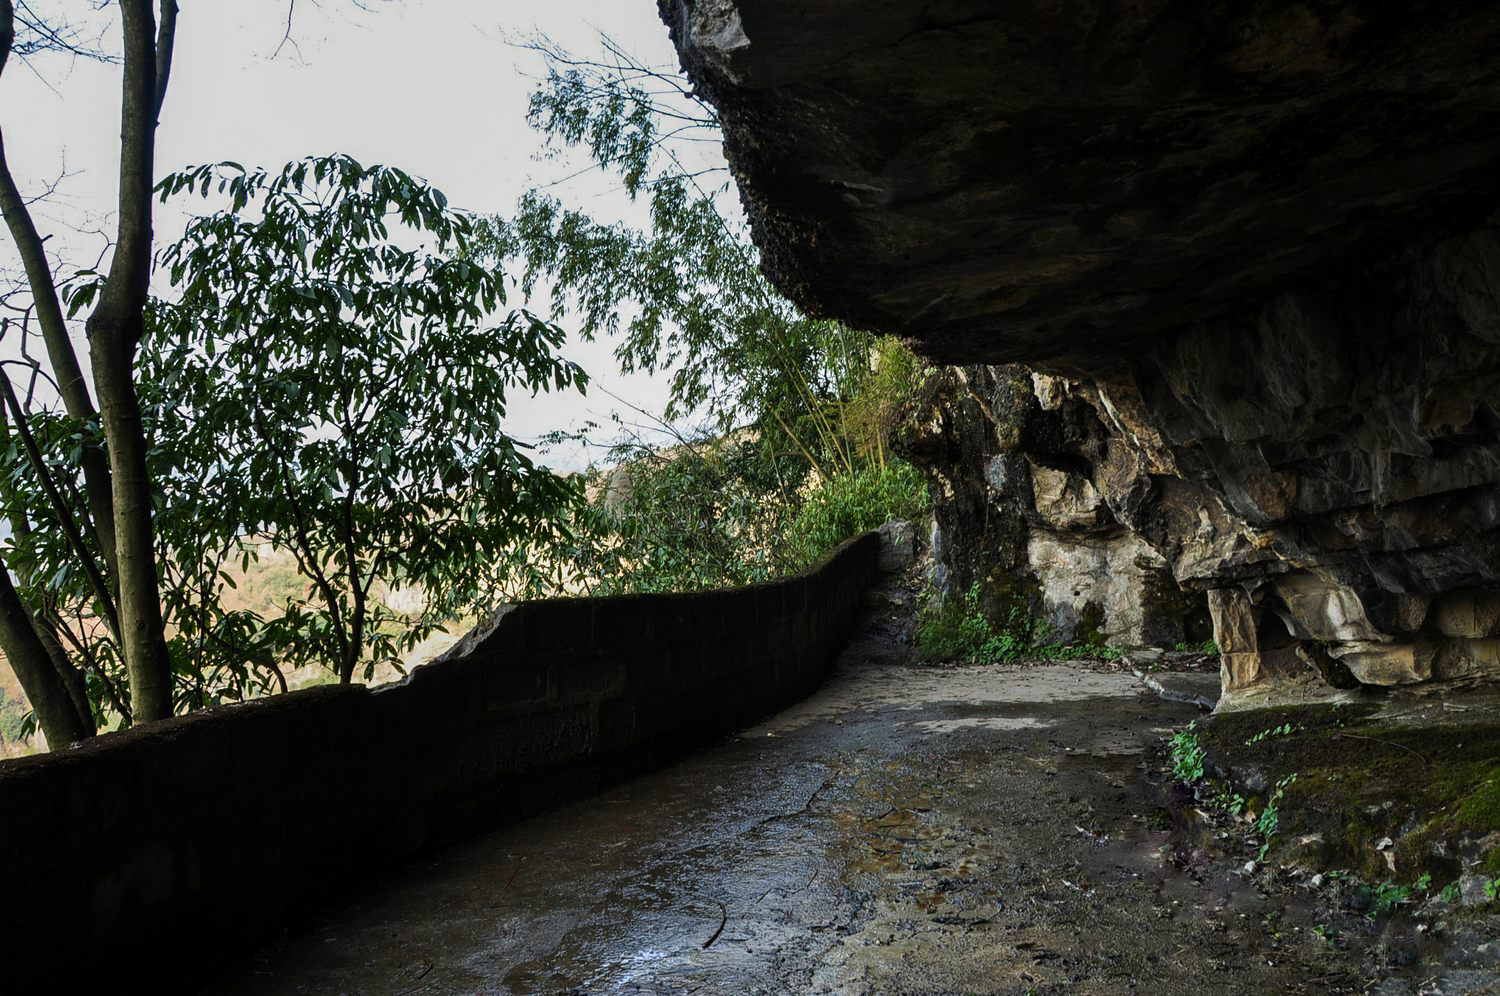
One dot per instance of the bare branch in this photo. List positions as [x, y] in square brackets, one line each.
[60, 352]
[286, 36]
[28, 32]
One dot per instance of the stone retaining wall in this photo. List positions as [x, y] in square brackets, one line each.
[166, 851]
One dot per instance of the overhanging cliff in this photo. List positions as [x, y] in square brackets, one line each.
[1256, 237]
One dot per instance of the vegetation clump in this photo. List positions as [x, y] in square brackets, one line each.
[1186, 752]
[959, 630]
[773, 446]
[854, 503]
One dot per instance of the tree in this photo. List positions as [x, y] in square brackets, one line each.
[683, 294]
[330, 376]
[119, 501]
[682, 518]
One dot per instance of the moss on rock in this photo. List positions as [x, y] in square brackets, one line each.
[1434, 790]
[1089, 630]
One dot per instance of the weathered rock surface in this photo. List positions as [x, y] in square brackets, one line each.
[1008, 462]
[1256, 240]
[898, 546]
[1331, 458]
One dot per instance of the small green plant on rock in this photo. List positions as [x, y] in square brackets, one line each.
[1492, 889]
[1284, 730]
[1389, 895]
[1187, 755]
[1230, 802]
[1270, 817]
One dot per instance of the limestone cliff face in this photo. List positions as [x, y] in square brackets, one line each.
[1255, 241]
[1010, 460]
[1327, 464]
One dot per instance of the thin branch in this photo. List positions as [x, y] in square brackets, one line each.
[31, 246]
[286, 37]
[80, 646]
[166, 35]
[37, 35]
[60, 508]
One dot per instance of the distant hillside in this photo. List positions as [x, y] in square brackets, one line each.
[264, 587]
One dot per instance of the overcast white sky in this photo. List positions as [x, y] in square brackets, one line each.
[428, 85]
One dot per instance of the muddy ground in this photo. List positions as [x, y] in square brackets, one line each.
[908, 829]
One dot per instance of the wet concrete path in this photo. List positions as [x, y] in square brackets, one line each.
[907, 829]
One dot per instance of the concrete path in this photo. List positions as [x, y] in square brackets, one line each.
[906, 830]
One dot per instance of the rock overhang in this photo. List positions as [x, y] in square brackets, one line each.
[1259, 239]
[1064, 182]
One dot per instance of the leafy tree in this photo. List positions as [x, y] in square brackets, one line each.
[800, 403]
[66, 603]
[684, 293]
[330, 378]
[683, 518]
[116, 485]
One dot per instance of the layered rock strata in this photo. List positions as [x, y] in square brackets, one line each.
[1327, 466]
[1255, 239]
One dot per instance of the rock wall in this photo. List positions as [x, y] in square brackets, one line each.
[1255, 239]
[1327, 465]
[1009, 460]
[1037, 180]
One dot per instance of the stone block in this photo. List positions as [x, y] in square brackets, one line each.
[1387, 663]
[515, 679]
[595, 675]
[1470, 613]
[1465, 658]
[1234, 620]
[1067, 501]
[1318, 609]
[898, 546]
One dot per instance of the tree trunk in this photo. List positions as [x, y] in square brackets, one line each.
[114, 332]
[355, 649]
[141, 631]
[72, 677]
[55, 710]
